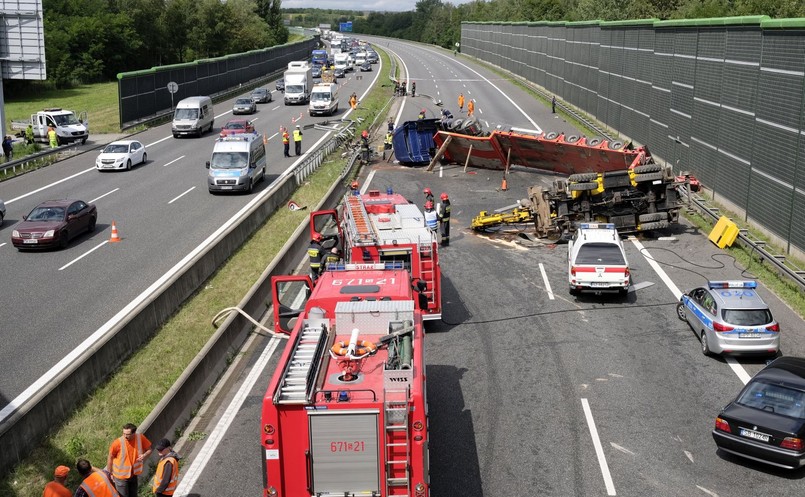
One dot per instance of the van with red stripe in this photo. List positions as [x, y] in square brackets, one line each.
[597, 261]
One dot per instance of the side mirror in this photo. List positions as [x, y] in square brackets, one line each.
[208, 164]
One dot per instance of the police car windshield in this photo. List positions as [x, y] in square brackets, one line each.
[600, 253]
[229, 160]
[774, 398]
[747, 317]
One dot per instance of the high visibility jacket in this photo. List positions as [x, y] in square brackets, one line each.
[174, 476]
[56, 489]
[98, 485]
[52, 137]
[286, 137]
[470, 107]
[461, 101]
[332, 258]
[444, 211]
[389, 138]
[431, 220]
[29, 133]
[314, 253]
[297, 135]
[126, 465]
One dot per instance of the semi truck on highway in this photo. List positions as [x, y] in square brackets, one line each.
[345, 412]
[69, 128]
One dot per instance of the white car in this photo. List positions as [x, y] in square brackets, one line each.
[121, 155]
[597, 261]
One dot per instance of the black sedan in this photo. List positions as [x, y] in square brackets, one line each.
[338, 73]
[54, 223]
[366, 67]
[281, 85]
[261, 95]
[766, 422]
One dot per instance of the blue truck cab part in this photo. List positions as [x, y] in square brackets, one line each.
[413, 141]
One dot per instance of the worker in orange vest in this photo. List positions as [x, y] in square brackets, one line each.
[470, 107]
[56, 487]
[166, 477]
[461, 102]
[125, 460]
[96, 482]
[286, 142]
[353, 101]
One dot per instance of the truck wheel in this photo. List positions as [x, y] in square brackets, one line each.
[654, 216]
[84, 141]
[582, 177]
[642, 178]
[654, 226]
[551, 135]
[582, 187]
[647, 168]
[593, 142]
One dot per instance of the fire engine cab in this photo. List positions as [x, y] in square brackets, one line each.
[345, 413]
[385, 227]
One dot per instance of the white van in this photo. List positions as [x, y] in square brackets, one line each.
[361, 58]
[323, 99]
[193, 116]
[597, 261]
[238, 163]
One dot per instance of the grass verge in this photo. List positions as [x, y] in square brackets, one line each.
[131, 394]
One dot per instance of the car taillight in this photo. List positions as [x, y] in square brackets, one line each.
[792, 443]
[775, 328]
[722, 425]
[722, 327]
[573, 271]
[626, 272]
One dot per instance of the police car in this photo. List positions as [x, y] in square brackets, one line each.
[729, 317]
[596, 260]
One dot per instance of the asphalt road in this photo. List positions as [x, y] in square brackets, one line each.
[52, 303]
[532, 391]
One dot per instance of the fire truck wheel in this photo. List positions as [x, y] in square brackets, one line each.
[654, 226]
[647, 168]
[640, 178]
[654, 216]
[582, 177]
[581, 187]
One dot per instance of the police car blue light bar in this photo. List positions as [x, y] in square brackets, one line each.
[732, 284]
[605, 226]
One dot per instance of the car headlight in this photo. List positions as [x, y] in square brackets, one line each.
[49, 234]
[15, 233]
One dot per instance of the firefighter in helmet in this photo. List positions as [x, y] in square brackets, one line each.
[365, 146]
[421, 115]
[443, 213]
[428, 194]
[314, 253]
[333, 256]
[431, 219]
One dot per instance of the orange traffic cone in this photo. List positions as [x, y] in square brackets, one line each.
[115, 237]
[503, 185]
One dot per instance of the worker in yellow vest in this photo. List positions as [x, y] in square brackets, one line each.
[297, 140]
[166, 477]
[125, 459]
[52, 137]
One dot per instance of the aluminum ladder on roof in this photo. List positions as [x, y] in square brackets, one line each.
[398, 442]
[296, 385]
[427, 271]
[358, 223]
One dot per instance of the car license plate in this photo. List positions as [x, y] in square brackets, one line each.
[599, 285]
[755, 435]
[749, 335]
[226, 188]
[30, 241]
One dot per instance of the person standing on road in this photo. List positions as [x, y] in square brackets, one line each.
[443, 212]
[8, 147]
[297, 140]
[460, 102]
[29, 135]
[95, 482]
[470, 108]
[286, 141]
[166, 477]
[431, 219]
[52, 138]
[353, 101]
[553, 104]
[391, 125]
[125, 459]
[56, 487]
[387, 143]
[428, 195]
[413, 89]
[314, 254]
[365, 146]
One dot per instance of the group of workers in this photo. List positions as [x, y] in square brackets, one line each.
[286, 140]
[125, 461]
[319, 257]
[438, 215]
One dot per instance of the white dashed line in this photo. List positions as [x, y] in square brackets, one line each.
[105, 194]
[545, 279]
[182, 194]
[84, 255]
[174, 160]
[599, 450]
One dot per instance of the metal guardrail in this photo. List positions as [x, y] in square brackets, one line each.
[34, 157]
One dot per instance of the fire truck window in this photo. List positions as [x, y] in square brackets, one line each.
[349, 290]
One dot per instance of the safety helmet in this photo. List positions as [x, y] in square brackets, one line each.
[443, 196]
[317, 237]
[424, 110]
[429, 205]
[427, 191]
[364, 133]
[297, 125]
[354, 185]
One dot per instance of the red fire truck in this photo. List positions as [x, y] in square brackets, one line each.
[385, 227]
[345, 413]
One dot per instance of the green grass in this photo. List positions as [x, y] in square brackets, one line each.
[131, 394]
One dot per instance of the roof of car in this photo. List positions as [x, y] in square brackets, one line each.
[237, 121]
[259, 90]
[738, 298]
[783, 367]
[598, 232]
[64, 202]
[122, 142]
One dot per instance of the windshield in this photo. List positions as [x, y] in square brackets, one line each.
[186, 114]
[774, 398]
[747, 317]
[47, 214]
[116, 148]
[293, 89]
[235, 126]
[321, 97]
[243, 101]
[229, 160]
[600, 254]
[65, 119]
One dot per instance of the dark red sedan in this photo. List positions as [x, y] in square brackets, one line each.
[54, 223]
[237, 126]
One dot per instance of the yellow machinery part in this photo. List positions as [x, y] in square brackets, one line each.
[487, 220]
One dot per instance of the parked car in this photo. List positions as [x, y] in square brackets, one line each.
[54, 223]
[237, 126]
[597, 260]
[261, 95]
[366, 66]
[121, 155]
[244, 106]
[281, 85]
[766, 421]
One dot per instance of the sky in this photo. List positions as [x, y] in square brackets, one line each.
[387, 5]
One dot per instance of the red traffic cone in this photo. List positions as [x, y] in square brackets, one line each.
[115, 236]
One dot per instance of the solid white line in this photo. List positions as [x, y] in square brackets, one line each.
[48, 186]
[105, 194]
[738, 369]
[82, 256]
[196, 468]
[599, 450]
[174, 160]
[545, 279]
[369, 178]
[182, 195]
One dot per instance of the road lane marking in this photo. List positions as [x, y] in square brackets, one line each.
[68, 178]
[708, 492]
[545, 279]
[688, 455]
[84, 255]
[174, 160]
[599, 450]
[622, 449]
[275, 108]
[182, 194]
[3, 244]
[105, 194]
[158, 141]
[272, 136]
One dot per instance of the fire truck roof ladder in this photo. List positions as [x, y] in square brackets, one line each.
[358, 222]
[398, 455]
[299, 376]
[427, 271]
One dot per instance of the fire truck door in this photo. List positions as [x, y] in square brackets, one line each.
[344, 453]
[326, 224]
[289, 296]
